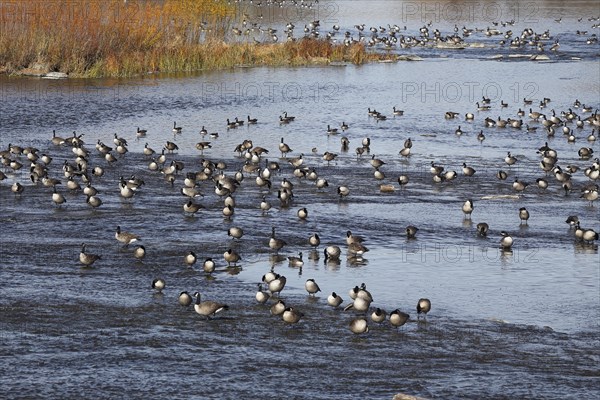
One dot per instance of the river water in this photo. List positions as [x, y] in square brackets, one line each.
[503, 324]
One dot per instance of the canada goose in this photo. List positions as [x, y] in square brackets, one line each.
[191, 208]
[87, 258]
[589, 235]
[523, 214]
[93, 201]
[590, 194]
[327, 156]
[235, 232]
[208, 308]
[469, 116]
[139, 252]
[405, 152]
[585, 152]
[57, 140]
[344, 126]
[480, 136]
[403, 180]
[411, 231]
[261, 296]
[398, 318]
[277, 284]
[510, 159]
[176, 129]
[360, 303]
[278, 308]
[291, 315]
[356, 249]
[331, 130]
[57, 198]
[170, 146]
[423, 306]
[450, 114]
[334, 300]
[482, 228]
[378, 315]
[350, 238]
[314, 240]
[506, 241]
[296, 262]
[376, 162]
[311, 287]
[125, 237]
[518, 185]
[275, 243]
[17, 188]
[184, 299]
[332, 252]
[343, 191]
[228, 211]
[296, 161]
[208, 266]
[467, 208]
[359, 326]
[190, 258]
[542, 183]
[501, 175]
[231, 257]
[467, 170]
[158, 284]
[458, 131]
[572, 220]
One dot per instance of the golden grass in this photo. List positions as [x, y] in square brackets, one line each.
[98, 38]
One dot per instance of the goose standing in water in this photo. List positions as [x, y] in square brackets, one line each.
[506, 241]
[334, 300]
[482, 228]
[359, 325]
[184, 299]
[208, 308]
[311, 287]
[467, 208]
[276, 243]
[125, 237]
[158, 284]
[423, 306]
[291, 315]
[399, 318]
[87, 258]
[261, 296]
[523, 215]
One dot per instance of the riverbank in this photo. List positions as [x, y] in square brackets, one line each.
[95, 39]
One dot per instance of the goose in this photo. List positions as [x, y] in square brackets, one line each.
[190, 258]
[397, 112]
[450, 114]
[231, 257]
[87, 258]
[403, 180]
[276, 243]
[314, 240]
[311, 287]
[469, 116]
[518, 185]
[506, 241]
[126, 237]
[184, 299]
[170, 146]
[350, 238]
[379, 175]
[458, 131]
[589, 235]
[208, 265]
[57, 198]
[510, 159]
[467, 208]
[139, 252]
[332, 252]
[343, 191]
[252, 121]
[436, 169]
[398, 318]
[265, 206]
[278, 308]
[208, 308]
[405, 152]
[235, 232]
[423, 306]
[334, 300]
[158, 284]
[572, 220]
[482, 228]
[261, 297]
[501, 175]
[291, 315]
[344, 126]
[331, 130]
[176, 129]
[296, 262]
[93, 201]
[585, 153]
[468, 171]
[57, 140]
[303, 213]
[359, 326]
[523, 214]
[360, 303]
[284, 148]
[411, 231]
[228, 211]
[357, 249]
[277, 284]
[480, 136]
[191, 208]
[376, 162]
[378, 315]
[590, 194]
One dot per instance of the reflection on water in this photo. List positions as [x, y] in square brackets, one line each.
[494, 312]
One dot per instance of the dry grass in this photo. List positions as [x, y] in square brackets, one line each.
[96, 38]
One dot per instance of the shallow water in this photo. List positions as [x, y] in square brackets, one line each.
[530, 315]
